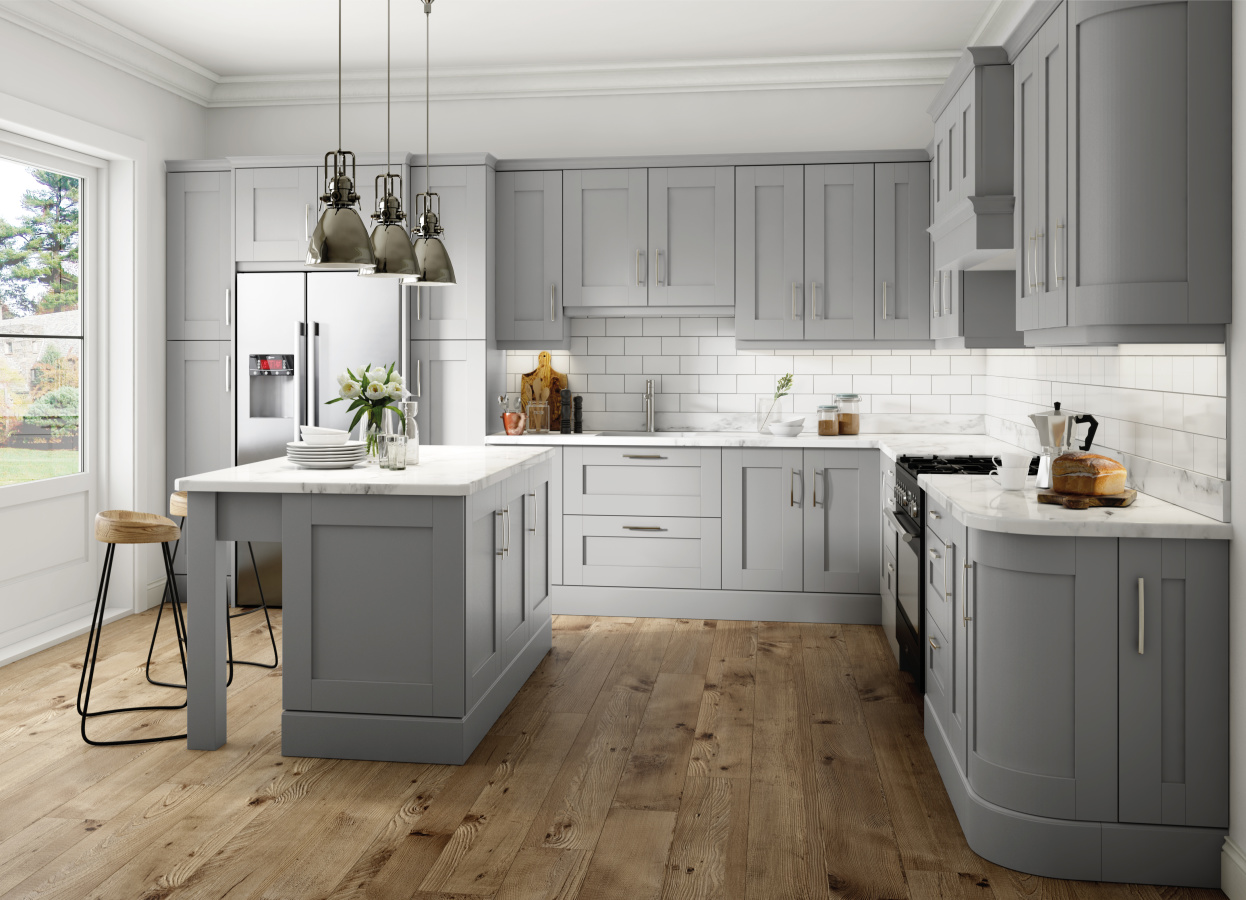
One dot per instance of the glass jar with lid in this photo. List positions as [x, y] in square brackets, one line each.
[849, 413]
[828, 420]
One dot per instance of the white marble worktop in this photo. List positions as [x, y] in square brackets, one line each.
[978, 502]
[892, 445]
[444, 471]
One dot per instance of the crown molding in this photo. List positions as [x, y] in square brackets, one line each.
[74, 26]
[78, 28]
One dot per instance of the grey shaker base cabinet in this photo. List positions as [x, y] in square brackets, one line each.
[1092, 680]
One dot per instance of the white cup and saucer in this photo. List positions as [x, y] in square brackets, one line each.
[1012, 468]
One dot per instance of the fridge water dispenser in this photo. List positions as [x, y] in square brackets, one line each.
[272, 387]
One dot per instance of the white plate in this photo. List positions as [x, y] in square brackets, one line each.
[325, 464]
[321, 457]
[320, 448]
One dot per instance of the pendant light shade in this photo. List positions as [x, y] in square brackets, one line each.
[431, 258]
[340, 240]
[391, 245]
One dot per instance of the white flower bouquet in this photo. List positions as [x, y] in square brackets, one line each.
[370, 392]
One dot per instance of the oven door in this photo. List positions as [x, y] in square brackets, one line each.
[908, 592]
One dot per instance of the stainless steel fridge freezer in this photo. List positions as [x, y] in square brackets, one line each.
[296, 332]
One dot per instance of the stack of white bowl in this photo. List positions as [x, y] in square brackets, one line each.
[325, 448]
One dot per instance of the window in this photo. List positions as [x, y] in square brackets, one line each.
[41, 322]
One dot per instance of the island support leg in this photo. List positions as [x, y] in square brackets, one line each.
[207, 562]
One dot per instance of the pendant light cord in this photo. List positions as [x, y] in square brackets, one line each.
[339, 75]
[388, 44]
[428, 11]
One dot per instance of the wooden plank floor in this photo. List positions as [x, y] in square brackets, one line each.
[645, 759]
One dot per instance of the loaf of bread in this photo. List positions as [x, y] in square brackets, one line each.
[1088, 474]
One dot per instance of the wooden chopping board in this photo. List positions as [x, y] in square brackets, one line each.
[1081, 501]
[543, 383]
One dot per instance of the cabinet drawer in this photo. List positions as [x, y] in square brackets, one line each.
[642, 551]
[937, 653]
[939, 520]
[888, 574]
[939, 580]
[626, 481]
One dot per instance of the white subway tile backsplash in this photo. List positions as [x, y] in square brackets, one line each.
[1160, 403]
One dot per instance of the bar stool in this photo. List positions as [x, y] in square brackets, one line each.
[179, 506]
[113, 527]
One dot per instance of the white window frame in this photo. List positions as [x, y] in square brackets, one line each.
[91, 305]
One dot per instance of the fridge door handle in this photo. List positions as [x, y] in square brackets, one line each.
[315, 374]
[300, 372]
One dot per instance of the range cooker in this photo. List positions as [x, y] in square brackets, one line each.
[904, 523]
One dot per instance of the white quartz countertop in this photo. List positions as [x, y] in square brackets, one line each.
[444, 471]
[978, 502]
[893, 445]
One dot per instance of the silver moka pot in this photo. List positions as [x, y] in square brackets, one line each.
[1055, 434]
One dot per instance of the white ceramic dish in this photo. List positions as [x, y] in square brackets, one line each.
[317, 429]
[323, 457]
[787, 429]
[325, 440]
[325, 464]
[321, 448]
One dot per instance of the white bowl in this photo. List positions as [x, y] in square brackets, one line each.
[324, 440]
[787, 429]
[316, 429]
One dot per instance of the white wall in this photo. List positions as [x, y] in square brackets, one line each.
[50, 75]
[1233, 868]
[748, 121]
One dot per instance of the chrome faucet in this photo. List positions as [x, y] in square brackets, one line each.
[649, 406]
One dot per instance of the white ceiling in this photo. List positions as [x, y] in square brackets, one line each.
[232, 38]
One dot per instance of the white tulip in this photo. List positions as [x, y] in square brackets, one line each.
[393, 390]
[349, 390]
[342, 379]
[397, 376]
[377, 373]
[375, 391]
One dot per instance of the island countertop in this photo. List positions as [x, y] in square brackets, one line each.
[444, 471]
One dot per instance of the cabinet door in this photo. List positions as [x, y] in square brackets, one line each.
[199, 410]
[605, 230]
[457, 311]
[901, 251]
[1051, 244]
[200, 276]
[486, 536]
[1040, 619]
[275, 211]
[538, 543]
[1025, 218]
[691, 230]
[769, 260]
[447, 374]
[1128, 89]
[944, 584]
[528, 237]
[513, 612]
[841, 521]
[1174, 676]
[762, 519]
[839, 251]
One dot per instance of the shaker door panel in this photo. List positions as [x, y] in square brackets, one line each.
[457, 311]
[691, 230]
[200, 274]
[275, 211]
[901, 251]
[605, 230]
[528, 237]
[839, 251]
[769, 252]
[762, 516]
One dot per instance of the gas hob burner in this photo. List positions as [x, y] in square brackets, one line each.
[952, 465]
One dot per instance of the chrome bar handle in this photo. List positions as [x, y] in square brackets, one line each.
[657, 266]
[813, 285]
[936, 295]
[506, 530]
[934, 554]
[1056, 253]
[791, 484]
[934, 515]
[553, 298]
[643, 528]
[316, 373]
[948, 549]
[884, 301]
[964, 594]
[417, 303]
[638, 252]
[228, 308]
[816, 473]
[1038, 273]
[793, 301]
[502, 550]
[642, 456]
[536, 514]
[933, 645]
[947, 298]
[1141, 615]
[229, 365]
[418, 390]
[1029, 280]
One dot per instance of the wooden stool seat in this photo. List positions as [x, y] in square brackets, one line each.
[123, 526]
[178, 504]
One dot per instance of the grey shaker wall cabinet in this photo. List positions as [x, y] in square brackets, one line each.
[275, 210]
[200, 269]
[464, 310]
[769, 257]
[1148, 155]
[605, 236]
[1041, 153]
[692, 234]
[1080, 757]
[975, 309]
[456, 384]
[972, 166]
[842, 249]
[528, 241]
[901, 251]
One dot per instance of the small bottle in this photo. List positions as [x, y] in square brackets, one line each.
[828, 420]
[412, 431]
[849, 413]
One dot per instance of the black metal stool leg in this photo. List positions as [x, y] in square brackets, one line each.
[170, 589]
[268, 621]
[93, 642]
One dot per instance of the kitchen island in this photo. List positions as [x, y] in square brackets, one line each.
[416, 603]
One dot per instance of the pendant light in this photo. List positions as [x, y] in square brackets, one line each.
[340, 240]
[395, 256]
[431, 258]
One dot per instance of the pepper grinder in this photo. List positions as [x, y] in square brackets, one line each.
[579, 415]
[566, 411]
